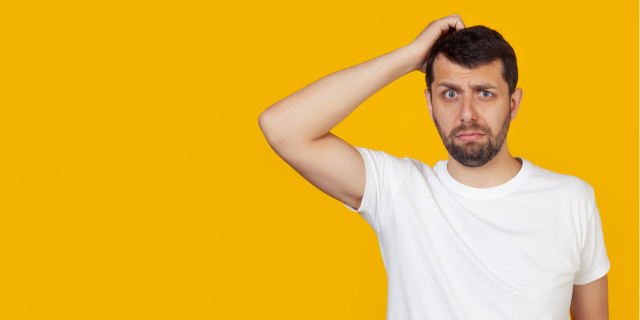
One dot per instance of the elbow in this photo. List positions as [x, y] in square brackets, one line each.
[266, 123]
[262, 119]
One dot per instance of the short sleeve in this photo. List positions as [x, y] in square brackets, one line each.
[594, 262]
[383, 174]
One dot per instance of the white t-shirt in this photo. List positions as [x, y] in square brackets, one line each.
[451, 251]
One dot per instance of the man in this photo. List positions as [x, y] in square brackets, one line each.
[482, 235]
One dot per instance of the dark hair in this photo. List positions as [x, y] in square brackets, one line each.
[473, 47]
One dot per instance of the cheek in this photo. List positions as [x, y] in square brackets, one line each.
[497, 122]
[447, 125]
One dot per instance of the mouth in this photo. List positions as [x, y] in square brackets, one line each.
[470, 136]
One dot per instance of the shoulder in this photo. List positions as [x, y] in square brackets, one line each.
[561, 184]
[382, 163]
[382, 157]
[395, 168]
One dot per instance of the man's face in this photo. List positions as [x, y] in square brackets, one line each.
[471, 109]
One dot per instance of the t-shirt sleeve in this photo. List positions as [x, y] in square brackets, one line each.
[383, 174]
[594, 262]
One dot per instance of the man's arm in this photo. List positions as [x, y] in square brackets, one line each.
[297, 127]
[590, 301]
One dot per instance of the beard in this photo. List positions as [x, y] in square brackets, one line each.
[475, 153]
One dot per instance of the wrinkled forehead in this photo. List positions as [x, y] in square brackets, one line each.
[444, 70]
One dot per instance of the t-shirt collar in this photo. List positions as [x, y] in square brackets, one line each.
[483, 193]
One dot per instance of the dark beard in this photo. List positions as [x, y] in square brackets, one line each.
[474, 153]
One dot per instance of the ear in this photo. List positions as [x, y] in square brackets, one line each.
[514, 103]
[428, 96]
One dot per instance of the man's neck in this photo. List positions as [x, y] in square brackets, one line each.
[502, 168]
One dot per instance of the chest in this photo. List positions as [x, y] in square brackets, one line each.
[525, 247]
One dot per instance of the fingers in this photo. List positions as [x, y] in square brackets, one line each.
[454, 21]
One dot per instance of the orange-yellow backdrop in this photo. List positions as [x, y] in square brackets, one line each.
[136, 183]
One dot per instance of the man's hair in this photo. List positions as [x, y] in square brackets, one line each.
[473, 47]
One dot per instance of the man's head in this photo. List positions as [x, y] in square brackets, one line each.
[471, 80]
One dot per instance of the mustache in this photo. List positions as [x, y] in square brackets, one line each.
[475, 127]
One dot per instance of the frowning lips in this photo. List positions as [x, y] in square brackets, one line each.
[470, 133]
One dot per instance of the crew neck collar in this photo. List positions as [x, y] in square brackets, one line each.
[484, 193]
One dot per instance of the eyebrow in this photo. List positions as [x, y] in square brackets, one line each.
[457, 87]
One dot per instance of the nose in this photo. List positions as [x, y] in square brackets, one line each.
[468, 109]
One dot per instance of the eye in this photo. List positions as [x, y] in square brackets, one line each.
[446, 93]
[487, 95]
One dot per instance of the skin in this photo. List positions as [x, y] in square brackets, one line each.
[480, 109]
[591, 301]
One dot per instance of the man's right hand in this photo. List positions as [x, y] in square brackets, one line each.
[422, 44]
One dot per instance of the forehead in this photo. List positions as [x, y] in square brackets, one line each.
[445, 70]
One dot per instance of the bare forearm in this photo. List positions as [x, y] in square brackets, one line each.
[314, 110]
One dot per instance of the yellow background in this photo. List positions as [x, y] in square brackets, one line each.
[136, 183]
